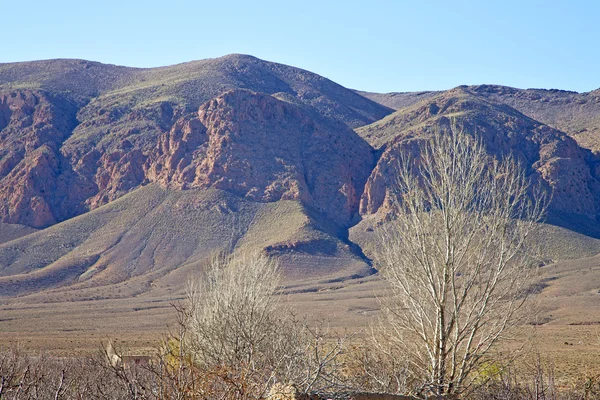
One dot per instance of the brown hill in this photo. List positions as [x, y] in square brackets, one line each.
[75, 134]
[547, 154]
[188, 85]
[37, 183]
[280, 173]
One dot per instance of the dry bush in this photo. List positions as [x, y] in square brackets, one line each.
[533, 380]
[24, 376]
[377, 365]
[27, 377]
[239, 337]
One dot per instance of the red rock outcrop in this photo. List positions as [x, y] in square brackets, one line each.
[33, 126]
[265, 149]
[117, 173]
[547, 154]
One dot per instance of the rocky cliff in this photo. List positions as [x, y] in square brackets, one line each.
[548, 155]
[249, 144]
[90, 133]
[37, 185]
[264, 149]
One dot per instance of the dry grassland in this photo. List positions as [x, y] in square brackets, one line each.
[567, 337]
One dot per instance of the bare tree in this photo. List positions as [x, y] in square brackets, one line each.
[455, 257]
[242, 340]
[234, 301]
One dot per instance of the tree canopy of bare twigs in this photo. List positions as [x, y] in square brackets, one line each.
[455, 257]
[243, 340]
[234, 301]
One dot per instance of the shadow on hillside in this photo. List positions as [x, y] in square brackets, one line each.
[577, 223]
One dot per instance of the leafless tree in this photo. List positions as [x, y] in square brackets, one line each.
[243, 340]
[234, 301]
[455, 256]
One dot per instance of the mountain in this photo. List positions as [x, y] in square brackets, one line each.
[548, 155]
[120, 90]
[577, 114]
[116, 177]
[75, 135]
[117, 182]
[234, 140]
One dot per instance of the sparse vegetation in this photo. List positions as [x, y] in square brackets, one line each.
[235, 333]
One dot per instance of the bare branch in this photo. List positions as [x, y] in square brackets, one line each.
[455, 255]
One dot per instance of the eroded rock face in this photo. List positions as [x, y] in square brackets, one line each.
[252, 145]
[264, 149]
[547, 155]
[117, 173]
[33, 173]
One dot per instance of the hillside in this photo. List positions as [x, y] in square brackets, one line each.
[75, 135]
[187, 86]
[153, 239]
[118, 182]
[398, 100]
[577, 114]
[549, 156]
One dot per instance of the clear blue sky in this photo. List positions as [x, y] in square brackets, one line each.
[370, 45]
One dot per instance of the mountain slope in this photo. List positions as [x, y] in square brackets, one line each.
[75, 135]
[577, 114]
[547, 154]
[154, 238]
[264, 149]
[38, 185]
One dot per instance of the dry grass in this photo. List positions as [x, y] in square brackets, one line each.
[10, 232]
[569, 305]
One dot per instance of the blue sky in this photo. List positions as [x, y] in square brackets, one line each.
[369, 45]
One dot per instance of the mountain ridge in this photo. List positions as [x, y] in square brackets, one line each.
[572, 112]
[118, 181]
